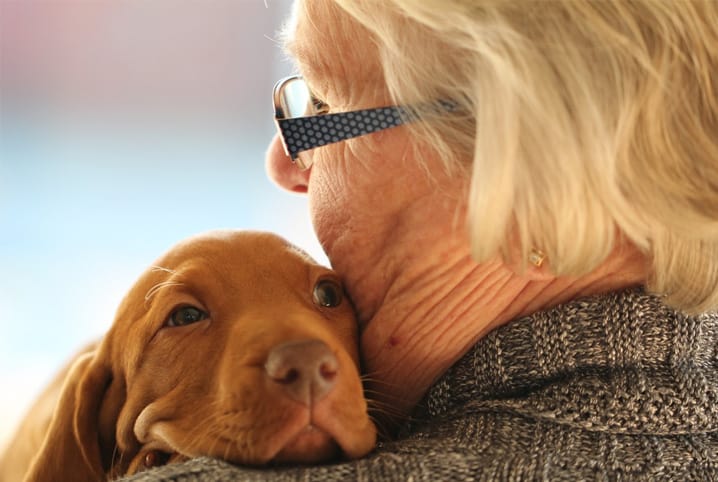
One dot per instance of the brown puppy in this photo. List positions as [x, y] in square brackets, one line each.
[235, 345]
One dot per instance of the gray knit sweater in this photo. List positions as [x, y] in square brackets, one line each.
[612, 387]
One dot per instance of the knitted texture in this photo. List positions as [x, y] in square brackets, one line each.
[611, 387]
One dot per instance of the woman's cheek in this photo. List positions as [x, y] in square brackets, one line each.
[327, 205]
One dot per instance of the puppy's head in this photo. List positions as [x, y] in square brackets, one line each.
[235, 345]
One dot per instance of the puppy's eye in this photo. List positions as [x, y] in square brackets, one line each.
[155, 458]
[327, 293]
[185, 315]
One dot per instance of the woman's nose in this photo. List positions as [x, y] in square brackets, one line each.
[283, 171]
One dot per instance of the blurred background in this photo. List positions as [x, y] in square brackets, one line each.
[125, 126]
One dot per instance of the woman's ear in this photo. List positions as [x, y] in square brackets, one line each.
[72, 449]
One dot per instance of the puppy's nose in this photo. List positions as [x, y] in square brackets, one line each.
[306, 369]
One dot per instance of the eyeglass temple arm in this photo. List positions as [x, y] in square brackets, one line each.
[304, 133]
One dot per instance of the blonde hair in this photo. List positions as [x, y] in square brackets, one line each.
[587, 119]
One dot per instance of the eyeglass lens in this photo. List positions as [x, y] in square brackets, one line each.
[295, 98]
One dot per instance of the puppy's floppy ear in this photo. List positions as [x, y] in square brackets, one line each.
[72, 449]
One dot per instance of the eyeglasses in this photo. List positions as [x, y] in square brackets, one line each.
[303, 122]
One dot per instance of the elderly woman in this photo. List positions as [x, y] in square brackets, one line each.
[529, 231]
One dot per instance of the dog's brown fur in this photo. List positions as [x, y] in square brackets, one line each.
[207, 388]
[17, 456]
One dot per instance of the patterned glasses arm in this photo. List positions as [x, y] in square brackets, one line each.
[304, 133]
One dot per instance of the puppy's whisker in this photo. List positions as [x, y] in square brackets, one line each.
[376, 398]
[164, 284]
[113, 460]
[197, 432]
[388, 424]
[375, 376]
[383, 411]
[216, 433]
[378, 382]
[227, 449]
[371, 384]
[377, 394]
[382, 429]
[378, 407]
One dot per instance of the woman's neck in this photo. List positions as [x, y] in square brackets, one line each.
[432, 314]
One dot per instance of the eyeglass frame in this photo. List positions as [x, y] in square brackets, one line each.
[335, 127]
